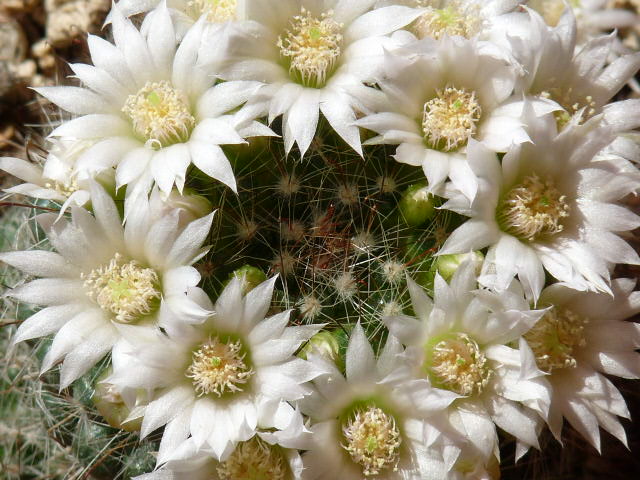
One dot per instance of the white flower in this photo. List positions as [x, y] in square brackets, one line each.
[459, 343]
[104, 275]
[150, 110]
[583, 335]
[368, 426]
[593, 17]
[464, 91]
[463, 18]
[261, 455]
[185, 13]
[215, 380]
[580, 79]
[549, 204]
[311, 55]
[626, 147]
[56, 179]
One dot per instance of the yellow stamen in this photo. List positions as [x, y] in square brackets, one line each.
[66, 189]
[454, 19]
[555, 337]
[160, 114]
[219, 368]
[126, 290]
[451, 118]
[373, 440]
[533, 209]
[254, 460]
[217, 11]
[312, 46]
[572, 104]
[456, 363]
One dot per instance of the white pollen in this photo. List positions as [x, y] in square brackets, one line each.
[160, 114]
[217, 11]
[456, 363]
[373, 440]
[219, 367]
[254, 460]
[451, 118]
[555, 337]
[126, 290]
[533, 209]
[313, 46]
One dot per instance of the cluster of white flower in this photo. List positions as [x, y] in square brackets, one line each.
[508, 110]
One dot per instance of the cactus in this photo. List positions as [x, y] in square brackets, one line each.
[352, 238]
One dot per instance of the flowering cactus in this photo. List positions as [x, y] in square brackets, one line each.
[325, 239]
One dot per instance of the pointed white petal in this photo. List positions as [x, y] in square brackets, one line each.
[187, 246]
[80, 101]
[212, 161]
[360, 360]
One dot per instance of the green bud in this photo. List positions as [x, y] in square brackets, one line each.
[416, 205]
[111, 406]
[322, 343]
[195, 206]
[446, 265]
[252, 277]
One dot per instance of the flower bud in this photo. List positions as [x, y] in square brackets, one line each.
[195, 206]
[251, 277]
[416, 205]
[322, 343]
[446, 265]
[111, 406]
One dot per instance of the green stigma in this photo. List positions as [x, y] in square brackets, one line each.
[447, 15]
[119, 289]
[372, 444]
[315, 33]
[153, 98]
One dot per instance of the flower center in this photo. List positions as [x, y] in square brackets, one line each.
[373, 440]
[450, 118]
[555, 337]
[218, 367]
[533, 209]
[312, 46]
[160, 114]
[456, 363]
[551, 10]
[454, 19]
[254, 460]
[65, 189]
[126, 290]
[217, 11]
[571, 104]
